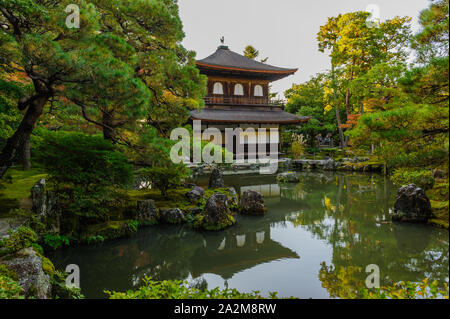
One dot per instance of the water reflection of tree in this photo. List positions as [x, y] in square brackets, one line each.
[352, 215]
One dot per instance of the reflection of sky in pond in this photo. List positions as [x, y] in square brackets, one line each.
[315, 241]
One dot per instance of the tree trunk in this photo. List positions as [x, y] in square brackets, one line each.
[108, 126]
[347, 103]
[14, 144]
[341, 133]
[26, 155]
[338, 116]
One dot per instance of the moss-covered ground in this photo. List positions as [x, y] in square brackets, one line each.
[438, 196]
[15, 189]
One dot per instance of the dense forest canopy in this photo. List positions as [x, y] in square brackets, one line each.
[123, 65]
[402, 107]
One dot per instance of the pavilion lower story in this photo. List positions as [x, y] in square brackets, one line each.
[247, 140]
[246, 132]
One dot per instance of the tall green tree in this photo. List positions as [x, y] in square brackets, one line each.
[433, 39]
[355, 47]
[124, 65]
[308, 99]
[59, 61]
[412, 128]
[154, 30]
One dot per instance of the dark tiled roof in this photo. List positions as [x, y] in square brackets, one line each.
[247, 116]
[224, 57]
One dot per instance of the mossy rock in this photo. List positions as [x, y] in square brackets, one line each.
[32, 276]
[110, 230]
[288, 177]
[172, 216]
[17, 240]
[48, 267]
[372, 167]
[216, 214]
[230, 221]
[200, 224]
[176, 198]
[230, 192]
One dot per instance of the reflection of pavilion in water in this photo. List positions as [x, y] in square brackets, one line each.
[222, 253]
[236, 251]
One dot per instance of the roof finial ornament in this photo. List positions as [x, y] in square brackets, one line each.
[222, 46]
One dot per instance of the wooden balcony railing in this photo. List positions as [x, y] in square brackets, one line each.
[234, 100]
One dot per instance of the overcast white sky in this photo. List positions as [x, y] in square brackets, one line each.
[283, 30]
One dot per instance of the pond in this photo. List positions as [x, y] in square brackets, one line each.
[315, 241]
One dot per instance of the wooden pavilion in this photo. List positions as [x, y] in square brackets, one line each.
[238, 96]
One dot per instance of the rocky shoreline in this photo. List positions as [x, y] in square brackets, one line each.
[355, 164]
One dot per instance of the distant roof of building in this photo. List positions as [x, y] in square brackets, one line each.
[225, 59]
[235, 115]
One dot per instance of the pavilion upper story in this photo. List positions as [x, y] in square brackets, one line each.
[234, 79]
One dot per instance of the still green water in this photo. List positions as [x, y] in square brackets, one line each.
[315, 241]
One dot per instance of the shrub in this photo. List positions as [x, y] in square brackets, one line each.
[56, 241]
[134, 225]
[86, 170]
[298, 145]
[164, 178]
[61, 290]
[18, 239]
[177, 289]
[95, 239]
[409, 290]
[297, 150]
[9, 287]
[421, 177]
[38, 248]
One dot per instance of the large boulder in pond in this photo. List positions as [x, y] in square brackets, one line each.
[216, 214]
[412, 205]
[172, 216]
[288, 177]
[31, 275]
[146, 212]
[252, 203]
[195, 194]
[216, 179]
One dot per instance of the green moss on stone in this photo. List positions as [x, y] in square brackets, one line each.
[48, 267]
[110, 230]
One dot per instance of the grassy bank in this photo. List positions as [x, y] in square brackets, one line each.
[438, 196]
[15, 191]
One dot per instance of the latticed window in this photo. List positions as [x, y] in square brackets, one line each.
[238, 89]
[218, 88]
[259, 90]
